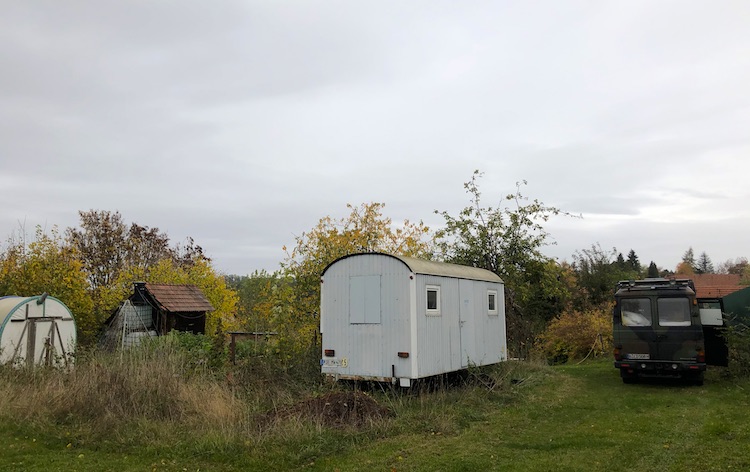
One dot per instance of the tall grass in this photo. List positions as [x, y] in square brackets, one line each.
[108, 393]
[166, 390]
[171, 394]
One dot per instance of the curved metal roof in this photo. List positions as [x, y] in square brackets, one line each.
[10, 309]
[444, 269]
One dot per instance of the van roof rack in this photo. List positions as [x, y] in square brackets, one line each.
[653, 284]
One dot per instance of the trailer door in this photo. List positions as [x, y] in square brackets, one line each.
[466, 322]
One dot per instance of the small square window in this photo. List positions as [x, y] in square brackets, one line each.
[433, 299]
[492, 302]
[635, 312]
[673, 311]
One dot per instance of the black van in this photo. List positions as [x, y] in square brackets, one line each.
[657, 330]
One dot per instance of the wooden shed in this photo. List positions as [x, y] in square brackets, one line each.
[173, 307]
[392, 318]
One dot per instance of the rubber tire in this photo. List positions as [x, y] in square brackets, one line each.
[698, 380]
[628, 378]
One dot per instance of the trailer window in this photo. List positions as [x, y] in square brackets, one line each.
[433, 299]
[674, 311]
[492, 302]
[635, 311]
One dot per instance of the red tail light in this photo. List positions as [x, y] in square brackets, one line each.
[330, 352]
[701, 357]
[618, 354]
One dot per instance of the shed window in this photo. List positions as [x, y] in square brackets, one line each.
[433, 299]
[364, 299]
[492, 302]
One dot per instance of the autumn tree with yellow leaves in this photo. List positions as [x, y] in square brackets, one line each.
[47, 265]
[365, 229]
[113, 255]
[93, 269]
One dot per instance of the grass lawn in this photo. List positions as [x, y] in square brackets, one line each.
[584, 418]
[574, 417]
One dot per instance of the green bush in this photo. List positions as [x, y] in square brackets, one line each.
[738, 342]
[576, 334]
[201, 353]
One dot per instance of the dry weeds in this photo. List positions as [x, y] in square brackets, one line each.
[351, 409]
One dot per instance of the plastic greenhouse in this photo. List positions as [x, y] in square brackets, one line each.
[36, 330]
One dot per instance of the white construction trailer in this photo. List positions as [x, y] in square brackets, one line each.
[36, 330]
[397, 319]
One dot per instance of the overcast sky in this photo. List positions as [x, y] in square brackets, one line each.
[242, 123]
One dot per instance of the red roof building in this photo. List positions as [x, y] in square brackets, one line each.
[716, 285]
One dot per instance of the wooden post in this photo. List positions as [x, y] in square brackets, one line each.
[31, 342]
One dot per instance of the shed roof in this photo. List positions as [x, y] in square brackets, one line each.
[716, 285]
[179, 298]
[444, 269]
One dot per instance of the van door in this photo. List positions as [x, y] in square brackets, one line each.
[712, 322]
[678, 332]
[635, 332]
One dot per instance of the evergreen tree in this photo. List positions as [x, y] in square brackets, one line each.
[633, 263]
[620, 262]
[688, 259]
[653, 271]
[704, 266]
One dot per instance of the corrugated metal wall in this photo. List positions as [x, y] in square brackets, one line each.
[489, 333]
[439, 341]
[370, 349]
[463, 333]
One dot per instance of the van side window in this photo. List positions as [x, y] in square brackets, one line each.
[673, 311]
[635, 311]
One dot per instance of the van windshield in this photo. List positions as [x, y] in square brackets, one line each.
[635, 311]
[674, 311]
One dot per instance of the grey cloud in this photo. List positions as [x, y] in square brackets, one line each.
[242, 123]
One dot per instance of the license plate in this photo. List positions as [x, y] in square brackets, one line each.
[343, 362]
[639, 356]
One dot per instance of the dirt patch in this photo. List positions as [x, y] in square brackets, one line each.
[334, 409]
